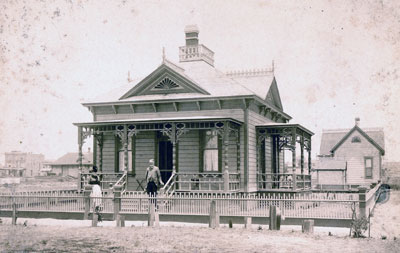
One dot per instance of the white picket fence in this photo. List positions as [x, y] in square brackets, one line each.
[312, 205]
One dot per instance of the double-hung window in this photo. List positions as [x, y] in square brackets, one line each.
[121, 156]
[368, 167]
[210, 155]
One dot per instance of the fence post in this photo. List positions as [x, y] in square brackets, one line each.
[214, 217]
[226, 180]
[152, 215]
[95, 219]
[120, 220]
[274, 218]
[14, 214]
[362, 194]
[117, 200]
[87, 191]
[247, 222]
[307, 226]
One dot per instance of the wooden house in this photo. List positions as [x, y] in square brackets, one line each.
[350, 157]
[70, 164]
[205, 129]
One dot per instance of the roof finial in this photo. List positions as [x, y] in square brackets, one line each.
[163, 54]
[129, 77]
[273, 67]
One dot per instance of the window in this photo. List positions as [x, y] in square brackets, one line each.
[210, 155]
[368, 167]
[356, 139]
[121, 156]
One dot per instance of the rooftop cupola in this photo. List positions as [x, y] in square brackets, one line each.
[193, 51]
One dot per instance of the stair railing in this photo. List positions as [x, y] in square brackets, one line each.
[169, 187]
[122, 182]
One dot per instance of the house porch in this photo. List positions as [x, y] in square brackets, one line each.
[193, 154]
[272, 141]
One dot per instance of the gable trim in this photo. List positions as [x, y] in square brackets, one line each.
[274, 92]
[365, 135]
[159, 74]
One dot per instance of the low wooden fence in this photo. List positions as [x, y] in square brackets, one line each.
[333, 210]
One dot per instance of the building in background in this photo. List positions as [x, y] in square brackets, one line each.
[350, 157]
[23, 164]
[68, 165]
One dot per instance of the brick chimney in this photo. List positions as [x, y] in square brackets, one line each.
[193, 51]
[192, 35]
[357, 121]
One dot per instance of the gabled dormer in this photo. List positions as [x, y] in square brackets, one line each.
[166, 79]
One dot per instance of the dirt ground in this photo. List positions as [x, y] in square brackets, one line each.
[178, 239]
[386, 218]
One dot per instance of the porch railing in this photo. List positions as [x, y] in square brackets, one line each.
[106, 178]
[283, 181]
[207, 181]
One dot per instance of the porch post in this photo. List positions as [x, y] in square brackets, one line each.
[99, 142]
[125, 142]
[302, 154]
[238, 150]
[80, 143]
[226, 146]
[294, 149]
[174, 141]
[309, 158]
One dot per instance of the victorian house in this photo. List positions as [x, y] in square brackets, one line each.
[205, 129]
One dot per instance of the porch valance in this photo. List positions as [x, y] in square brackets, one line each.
[158, 120]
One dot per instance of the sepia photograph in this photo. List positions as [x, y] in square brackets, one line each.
[199, 126]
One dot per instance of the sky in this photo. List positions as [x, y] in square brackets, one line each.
[334, 60]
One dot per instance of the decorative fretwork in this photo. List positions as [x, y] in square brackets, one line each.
[174, 131]
[166, 84]
[132, 130]
[99, 138]
[120, 132]
[86, 133]
[180, 130]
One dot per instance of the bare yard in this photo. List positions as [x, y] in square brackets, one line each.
[178, 239]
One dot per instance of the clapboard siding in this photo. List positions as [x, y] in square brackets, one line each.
[108, 153]
[254, 119]
[354, 154]
[144, 150]
[189, 152]
[231, 113]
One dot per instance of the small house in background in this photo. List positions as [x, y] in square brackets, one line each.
[68, 164]
[350, 157]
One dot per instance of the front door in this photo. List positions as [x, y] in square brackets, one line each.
[165, 159]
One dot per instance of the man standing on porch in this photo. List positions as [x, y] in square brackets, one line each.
[153, 179]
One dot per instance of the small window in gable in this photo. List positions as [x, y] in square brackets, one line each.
[166, 84]
[356, 139]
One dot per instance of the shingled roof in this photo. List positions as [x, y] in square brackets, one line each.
[331, 139]
[201, 74]
[73, 159]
